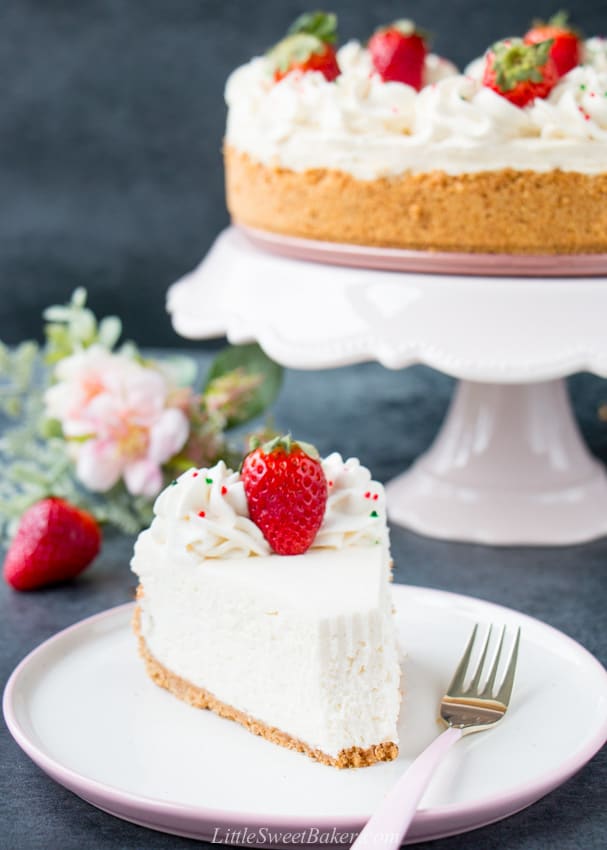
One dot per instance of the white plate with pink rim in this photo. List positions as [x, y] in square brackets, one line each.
[82, 707]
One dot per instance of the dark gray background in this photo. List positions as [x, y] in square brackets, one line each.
[111, 126]
[110, 176]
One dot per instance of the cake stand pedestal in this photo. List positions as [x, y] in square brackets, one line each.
[509, 465]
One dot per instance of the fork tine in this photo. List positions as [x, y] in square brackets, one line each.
[456, 685]
[490, 683]
[476, 678]
[503, 695]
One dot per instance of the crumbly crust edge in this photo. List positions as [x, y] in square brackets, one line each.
[201, 698]
[497, 212]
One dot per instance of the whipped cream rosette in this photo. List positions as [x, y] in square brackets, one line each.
[369, 128]
[204, 514]
[356, 506]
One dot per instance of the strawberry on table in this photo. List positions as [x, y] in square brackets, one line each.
[286, 492]
[566, 50]
[398, 53]
[308, 46]
[54, 542]
[520, 72]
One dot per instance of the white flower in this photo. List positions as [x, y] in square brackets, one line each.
[119, 415]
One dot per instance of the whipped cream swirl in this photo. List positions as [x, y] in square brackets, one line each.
[356, 506]
[576, 108]
[204, 514]
[459, 108]
[595, 53]
[356, 104]
[371, 129]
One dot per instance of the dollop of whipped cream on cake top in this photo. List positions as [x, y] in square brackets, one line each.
[356, 506]
[204, 513]
[595, 53]
[576, 108]
[370, 128]
[358, 101]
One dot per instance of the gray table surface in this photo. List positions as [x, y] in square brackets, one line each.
[387, 419]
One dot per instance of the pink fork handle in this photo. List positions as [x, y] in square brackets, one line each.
[387, 827]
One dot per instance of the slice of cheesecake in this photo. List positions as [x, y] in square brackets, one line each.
[300, 649]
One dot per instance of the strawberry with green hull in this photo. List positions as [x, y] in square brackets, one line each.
[398, 53]
[520, 72]
[286, 493]
[566, 50]
[55, 541]
[308, 46]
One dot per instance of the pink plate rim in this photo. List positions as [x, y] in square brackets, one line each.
[190, 821]
[427, 262]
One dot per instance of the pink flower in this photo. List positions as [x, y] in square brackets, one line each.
[120, 417]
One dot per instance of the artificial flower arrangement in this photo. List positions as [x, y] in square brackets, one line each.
[93, 430]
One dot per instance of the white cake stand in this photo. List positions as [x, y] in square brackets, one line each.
[508, 465]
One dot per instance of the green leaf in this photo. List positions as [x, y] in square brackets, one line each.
[57, 313]
[72, 327]
[51, 428]
[253, 362]
[109, 331]
[5, 357]
[83, 326]
[319, 24]
[79, 296]
[58, 344]
[12, 407]
[129, 349]
[294, 49]
[180, 368]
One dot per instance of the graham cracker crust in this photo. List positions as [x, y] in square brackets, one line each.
[201, 698]
[505, 211]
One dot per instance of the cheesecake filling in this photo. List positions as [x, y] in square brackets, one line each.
[302, 643]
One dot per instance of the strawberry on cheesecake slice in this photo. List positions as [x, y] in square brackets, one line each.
[264, 596]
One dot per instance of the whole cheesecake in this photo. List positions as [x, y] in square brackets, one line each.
[351, 157]
[299, 649]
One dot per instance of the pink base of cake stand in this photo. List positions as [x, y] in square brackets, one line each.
[509, 465]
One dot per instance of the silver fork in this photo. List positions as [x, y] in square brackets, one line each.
[471, 703]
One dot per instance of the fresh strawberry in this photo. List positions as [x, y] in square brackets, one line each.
[520, 72]
[305, 53]
[55, 541]
[398, 53]
[287, 493]
[566, 47]
[308, 46]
